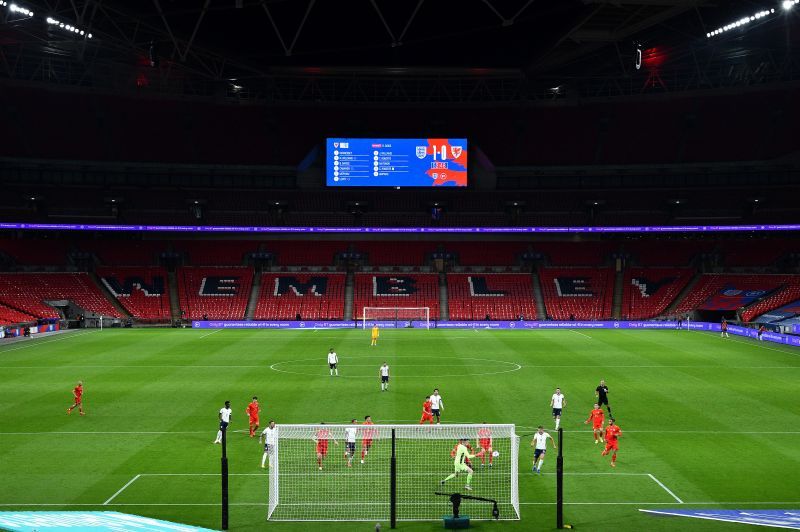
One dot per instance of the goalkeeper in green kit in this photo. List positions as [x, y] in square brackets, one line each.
[460, 462]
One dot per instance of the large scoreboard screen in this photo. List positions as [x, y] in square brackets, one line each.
[396, 162]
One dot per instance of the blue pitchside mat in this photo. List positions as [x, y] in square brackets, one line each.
[88, 521]
[771, 518]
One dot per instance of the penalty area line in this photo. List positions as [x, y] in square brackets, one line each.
[665, 488]
[212, 332]
[131, 481]
[578, 332]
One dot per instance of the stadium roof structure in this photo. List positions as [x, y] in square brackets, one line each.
[396, 51]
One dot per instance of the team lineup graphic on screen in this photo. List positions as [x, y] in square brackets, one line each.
[396, 162]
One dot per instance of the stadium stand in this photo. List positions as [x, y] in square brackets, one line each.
[305, 253]
[647, 292]
[577, 293]
[730, 292]
[788, 293]
[500, 296]
[575, 253]
[751, 252]
[486, 254]
[396, 290]
[218, 293]
[36, 252]
[27, 292]
[312, 296]
[401, 253]
[11, 316]
[665, 252]
[142, 291]
[124, 252]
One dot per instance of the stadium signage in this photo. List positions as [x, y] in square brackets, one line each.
[356, 230]
[498, 325]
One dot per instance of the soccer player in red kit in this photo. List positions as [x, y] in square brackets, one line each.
[252, 411]
[77, 393]
[612, 434]
[427, 413]
[596, 416]
[321, 439]
[485, 443]
[366, 441]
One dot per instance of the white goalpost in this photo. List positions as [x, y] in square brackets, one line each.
[399, 315]
[401, 473]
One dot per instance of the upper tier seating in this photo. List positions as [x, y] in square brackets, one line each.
[218, 293]
[28, 291]
[649, 291]
[314, 296]
[396, 290]
[142, 291]
[36, 252]
[581, 293]
[501, 296]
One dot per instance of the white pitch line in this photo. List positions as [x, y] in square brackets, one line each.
[131, 481]
[212, 332]
[578, 332]
[665, 488]
[33, 342]
[228, 366]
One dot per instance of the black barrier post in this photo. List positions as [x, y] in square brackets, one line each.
[560, 481]
[393, 484]
[224, 471]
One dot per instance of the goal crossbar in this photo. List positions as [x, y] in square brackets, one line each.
[349, 476]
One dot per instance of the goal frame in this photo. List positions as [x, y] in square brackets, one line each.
[397, 433]
[396, 319]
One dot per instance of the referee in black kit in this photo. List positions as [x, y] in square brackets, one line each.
[601, 392]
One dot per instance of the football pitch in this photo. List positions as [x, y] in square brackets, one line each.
[707, 422]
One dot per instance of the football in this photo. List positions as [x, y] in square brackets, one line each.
[496, 454]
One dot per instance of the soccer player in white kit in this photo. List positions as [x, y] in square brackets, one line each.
[224, 420]
[333, 361]
[437, 404]
[539, 444]
[557, 402]
[384, 372]
[350, 442]
[269, 435]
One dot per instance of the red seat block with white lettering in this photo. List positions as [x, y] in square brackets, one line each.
[503, 296]
[314, 296]
[583, 293]
[396, 290]
[219, 293]
[142, 291]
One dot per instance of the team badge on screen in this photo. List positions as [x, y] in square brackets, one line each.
[422, 151]
[456, 150]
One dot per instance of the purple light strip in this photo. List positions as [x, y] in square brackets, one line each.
[472, 230]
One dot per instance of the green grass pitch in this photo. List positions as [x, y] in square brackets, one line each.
[716, 422]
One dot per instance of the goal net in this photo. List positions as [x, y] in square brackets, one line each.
[401, 316]
[300, 491]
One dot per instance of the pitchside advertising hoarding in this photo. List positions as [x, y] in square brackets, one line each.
[423, 162]
[357, 230]
[499, 325]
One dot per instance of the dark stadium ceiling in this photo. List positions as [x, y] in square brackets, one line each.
[530, 39]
